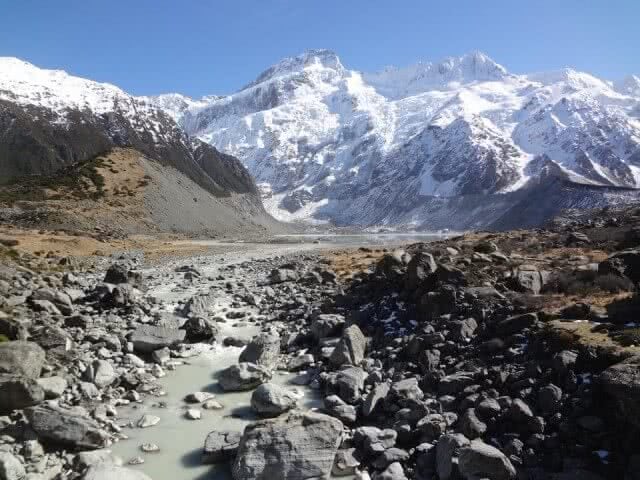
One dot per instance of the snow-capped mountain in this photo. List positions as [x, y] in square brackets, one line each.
[328, 143]
[50, 119]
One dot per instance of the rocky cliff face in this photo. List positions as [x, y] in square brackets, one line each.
[328, 143]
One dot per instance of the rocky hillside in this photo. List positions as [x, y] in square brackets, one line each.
[51, 122]
[328, 143]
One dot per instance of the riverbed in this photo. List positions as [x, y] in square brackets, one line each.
[179, 439]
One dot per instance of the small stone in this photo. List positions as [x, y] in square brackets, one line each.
[198, 397]
[148, 421]
[193, 414]
[212, 405]
[149, 448]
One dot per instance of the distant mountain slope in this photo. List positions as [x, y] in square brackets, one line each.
[328, 143]
[50, 120]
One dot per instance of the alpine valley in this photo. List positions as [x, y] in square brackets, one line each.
[461, 143]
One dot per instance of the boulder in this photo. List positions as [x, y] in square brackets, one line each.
[350, 382]
[17, 392]
[480, 460]
[264, 350]
[61, 300]
[374, 398]
[243, 376]
[326, 325]
[447, 452]
[550, 398]
[112, 472]
[71, 427]
[392, 472]
[220, 447]
[101, 373]
[199, 305]
[528, 279]
[10, 467]
[119, 273]
[626, 263]
[516, 324]
[300, 446]
[622, 382]
[21, 358]
[94, 458]
[282, 275]
[351, 347]
[421, 265]
[148, 338]
[271, 400]
[53, 387]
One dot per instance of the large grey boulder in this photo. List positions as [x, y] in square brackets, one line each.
[271, 400]
[66, 426]
[21, 358]
[243, 376]
[61, 300]
[114, 472]
[480, 460]
[351, 347]
[101, 373]
[220, 446]
[298, 447]
[447, 454]
[622, 382]
[10, 467]
[148, 338]
[263, 349]
[350, 383]
[17, 392]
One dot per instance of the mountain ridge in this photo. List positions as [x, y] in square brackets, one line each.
[322, 140]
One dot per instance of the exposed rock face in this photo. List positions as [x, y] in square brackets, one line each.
[66, 427]
[295, 448]
[243, 376]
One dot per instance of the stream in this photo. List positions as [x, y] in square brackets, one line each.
[179, 439]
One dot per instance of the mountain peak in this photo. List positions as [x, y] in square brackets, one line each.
[629, 85]
[422, 76]
[322, 57]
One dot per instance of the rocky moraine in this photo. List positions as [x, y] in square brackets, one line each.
[500, 356]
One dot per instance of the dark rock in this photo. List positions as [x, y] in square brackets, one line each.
[264, 350]
[296, 447]
[480, 460]
[66, 427]
[220, 446]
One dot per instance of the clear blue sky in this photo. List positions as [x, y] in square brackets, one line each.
[202, 47]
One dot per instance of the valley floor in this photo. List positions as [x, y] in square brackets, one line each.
[477, 356]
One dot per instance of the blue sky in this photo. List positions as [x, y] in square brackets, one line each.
[200, 47]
